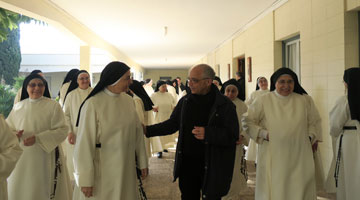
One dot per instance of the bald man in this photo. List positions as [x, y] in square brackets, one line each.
[208, 131]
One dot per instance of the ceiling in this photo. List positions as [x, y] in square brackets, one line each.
[165, 33]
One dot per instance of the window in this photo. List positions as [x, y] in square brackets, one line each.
[291, 54]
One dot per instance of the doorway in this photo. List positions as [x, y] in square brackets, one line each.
[241, 70]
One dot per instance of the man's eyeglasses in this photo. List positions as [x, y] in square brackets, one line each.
[194, 80]
[32, 85]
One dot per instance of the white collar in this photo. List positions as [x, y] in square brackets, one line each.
[108, 92]
[281, 96]
[35, 100]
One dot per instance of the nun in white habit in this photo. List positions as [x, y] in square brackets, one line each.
[78, 90]
[10, 153]
[261, 88]
[110, 135]
[65, 85]
[40, 173]
[231, 89]
[171, 90]
[143, 105]
[344, 125]
[19, 93]
[281, 122]
[164, 103]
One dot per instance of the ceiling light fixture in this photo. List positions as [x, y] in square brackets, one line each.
[165, 31]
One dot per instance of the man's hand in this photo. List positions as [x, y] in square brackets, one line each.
[155, 108]
[144, 173]
[30, 141]
[199, 132]
[72, 138]
[88, 191]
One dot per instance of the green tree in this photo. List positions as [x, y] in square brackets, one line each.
[6, 99]
[18, 82]
[10, 57]
[10, 54]
[10, 21]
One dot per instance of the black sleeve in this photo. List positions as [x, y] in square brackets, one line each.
[226, 131]
[169, 126]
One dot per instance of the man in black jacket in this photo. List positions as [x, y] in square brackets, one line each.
[208, 131]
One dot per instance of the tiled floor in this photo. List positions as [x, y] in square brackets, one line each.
[159, 186]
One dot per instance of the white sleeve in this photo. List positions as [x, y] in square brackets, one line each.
[339, 116]
[84, 152]
[67, 112]
[140, 146]
[251, 121]
[139, 106]
[314, 120]
[50, 139]
[10, 150]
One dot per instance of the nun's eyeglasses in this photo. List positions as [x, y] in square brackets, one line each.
[285, 81]
[194, 80]
[84, 78]
[32, 85]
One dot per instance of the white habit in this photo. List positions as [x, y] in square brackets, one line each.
[143, 116]
[73, 102]
[33, 176]
[110, 120]
[285, 168]
[251, 152]
[64, 88]
[149, 90]
[349, 174]
[172, 91]
[165, 103]
[238, 182]
[10, 152]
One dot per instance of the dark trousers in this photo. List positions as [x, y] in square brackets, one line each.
[191, 178]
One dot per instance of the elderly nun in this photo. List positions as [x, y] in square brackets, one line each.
[232, 89]
[281, 122]
[78, 90]
[344, 125]
[109, 136]
[40, 125]
[19, 93]
[10, 153]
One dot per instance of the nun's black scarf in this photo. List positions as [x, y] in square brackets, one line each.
[232, 82]
[218, 80]
[275, 76]
[69, 76]
[352, 79]
[111, 73]
[257, 82]
[36, 71]
[25, 95]
[138, 89]
[158, 84]
[74, 84]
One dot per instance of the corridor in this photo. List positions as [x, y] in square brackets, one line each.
[159, 186]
